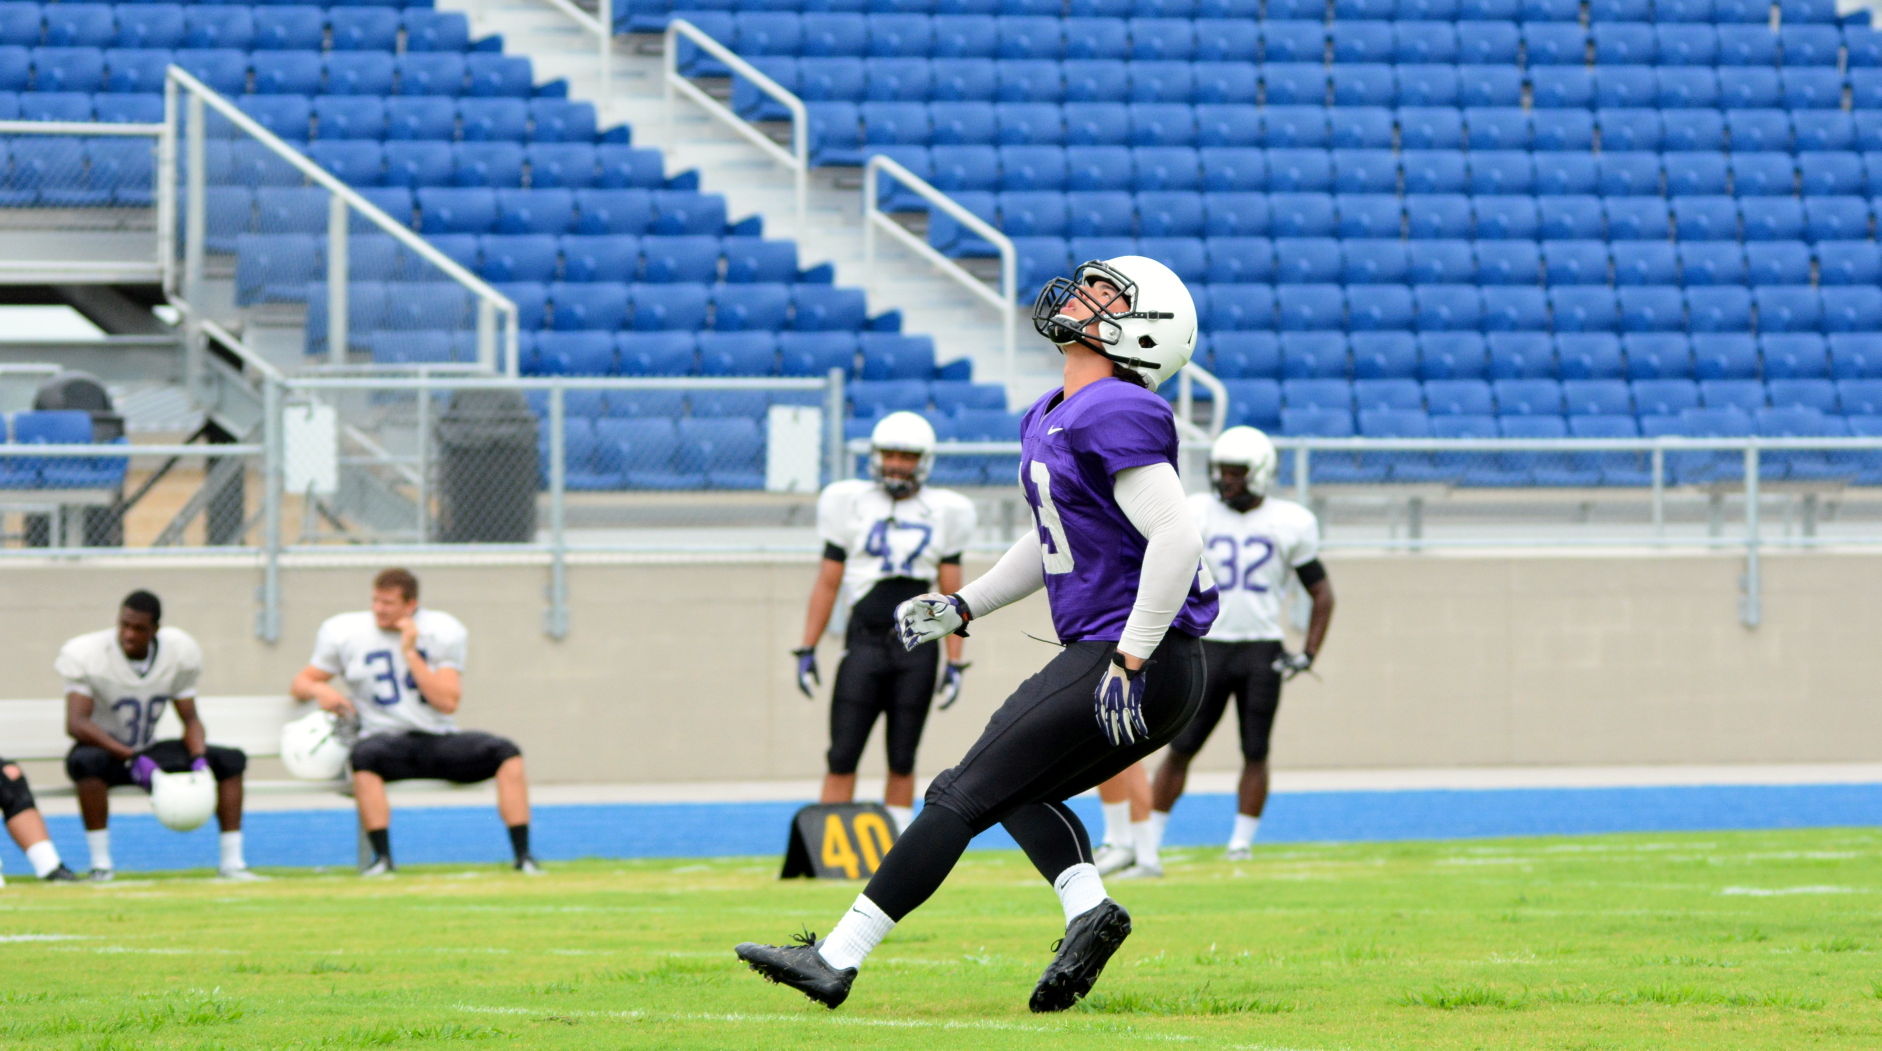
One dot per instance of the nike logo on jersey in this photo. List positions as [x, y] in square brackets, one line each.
[1054, 430]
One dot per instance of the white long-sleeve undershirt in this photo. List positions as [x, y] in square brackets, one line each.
[1152, 498]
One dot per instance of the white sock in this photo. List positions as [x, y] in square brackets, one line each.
[1147, 837]
[1244, 834]
[232, 851]
[901, 815]
[856, 935]
[1117, 819]
[100, 844]
[44, 856]
[1080, 890]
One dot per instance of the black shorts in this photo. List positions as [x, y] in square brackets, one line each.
[879, 678]
[1246, 671]
[465, 758]
[90, 761]
[1044, 745]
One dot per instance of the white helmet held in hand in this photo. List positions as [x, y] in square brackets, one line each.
[1149, 327]
[183, 801]
[315, 746]
[1248, 448]
[903, 432]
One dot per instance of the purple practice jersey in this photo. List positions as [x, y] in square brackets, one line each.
[1069, 452]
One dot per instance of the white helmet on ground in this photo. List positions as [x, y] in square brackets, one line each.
[183, 801]
[903, 432]
[1153, 333]
[315, 746]
[1248, 448]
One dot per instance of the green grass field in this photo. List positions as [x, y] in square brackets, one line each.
[1716, 940]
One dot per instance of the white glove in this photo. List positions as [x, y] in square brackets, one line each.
[1288, 665]
[926, 618]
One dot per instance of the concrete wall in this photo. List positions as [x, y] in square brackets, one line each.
[681, 672]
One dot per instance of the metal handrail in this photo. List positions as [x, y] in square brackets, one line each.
[1186, 380]
[70, 127]
[1005, 300]
[601, 24]
[110, 451]
[319, 176]
[796, 159]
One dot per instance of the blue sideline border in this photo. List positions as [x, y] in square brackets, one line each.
[650, 830]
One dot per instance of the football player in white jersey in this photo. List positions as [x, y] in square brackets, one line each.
[885, 540]
[117, 684]
[1255, 543]
[400, 673]
[21, 813]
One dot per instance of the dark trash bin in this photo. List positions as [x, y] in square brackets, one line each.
[486, 448]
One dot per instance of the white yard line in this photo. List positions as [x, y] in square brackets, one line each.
[980, 1024]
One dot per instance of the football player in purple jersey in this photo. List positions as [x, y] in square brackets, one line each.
[1120, 560]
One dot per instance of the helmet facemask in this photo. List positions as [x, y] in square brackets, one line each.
[1234, 490]
[1051, 321]
[897, 486]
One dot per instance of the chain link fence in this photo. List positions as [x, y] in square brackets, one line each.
[77, 194]
[60, 490]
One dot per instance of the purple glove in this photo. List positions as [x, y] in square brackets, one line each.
[201, 762]
[142, 767]
[807, 678]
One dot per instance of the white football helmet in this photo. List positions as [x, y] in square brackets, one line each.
[903, 432]
[183, 801]
[315, 746]
[1153, 335]
[1245, 447]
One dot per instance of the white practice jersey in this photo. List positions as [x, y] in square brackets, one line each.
[127, 702]
[353, 648]
[1253, 556]
[882, 537]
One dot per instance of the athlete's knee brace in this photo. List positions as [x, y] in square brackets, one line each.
[16, 797]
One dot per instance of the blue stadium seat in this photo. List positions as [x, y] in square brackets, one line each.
[1645, 263]
[364, 28]
[1589, 356]
[1693, 129]
[1438, 215]
[1758, 129]
[823, 308]
[1636, 218]
[1452, 356]
[1745, 395]
[1788, 308]
[430, 119]
[429, 73]
[1542, 468]
[1849, 262]
[1658, 355]
[1852, 309]
[1248, 355]
[1721, 356]
[1388, 394]
[457, 210]
[1497, 171]
[428, 30]
[1489, 85]
[1441, 262]
[1506, 216]
[1651, 308]
[1306, 259]
[815, 353]
[1317, 394]
[1365, 171]
[1664, 397]
[1749, 46]
[498, 165]
[1433, 130]
[1527, 397]
[1860, 397]
[1370, 215]
[685, 259]
[1626, 86]
[1498, 128]
[1379, 308]
[1381, 355]
[1253, 402]
[1423, 41]
[1520, 355]
[1794, 356]
[1458, 397]
[1515, 309]
[294, 27]
[600, 258]
[1236, 260]
[1233, 307]
[1686, 87]
[1822, 173]
[1777, 262]
[1597, 397]
[1507, 262]
[1295, 170]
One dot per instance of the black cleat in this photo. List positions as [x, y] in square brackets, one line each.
[60, 875]
[801, 967]
[1089, 941]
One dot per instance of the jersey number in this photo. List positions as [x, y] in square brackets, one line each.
[139, 718]
[1231, 554]
[386, 678]
[880, 543]
[1053, 547]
